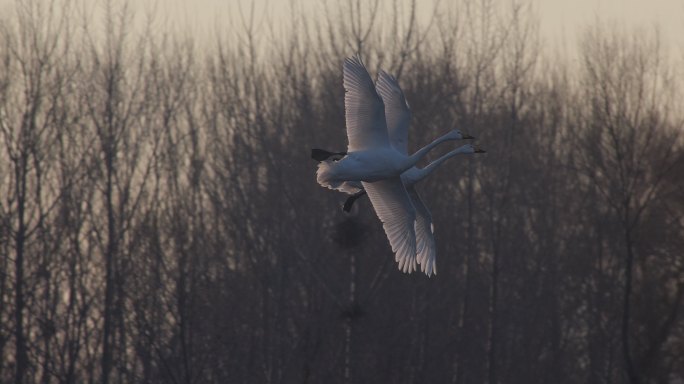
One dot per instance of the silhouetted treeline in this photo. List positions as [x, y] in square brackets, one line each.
[160, 219]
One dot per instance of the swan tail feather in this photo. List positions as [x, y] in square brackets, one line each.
[326, 177]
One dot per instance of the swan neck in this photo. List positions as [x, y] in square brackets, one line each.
[435, 164]
[419, 154]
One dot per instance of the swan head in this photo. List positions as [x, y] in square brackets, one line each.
[469, 148]
[456, 134]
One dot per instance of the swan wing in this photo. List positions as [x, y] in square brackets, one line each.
[397, 111]
[393, 206]
[425, 239]
[364, 110]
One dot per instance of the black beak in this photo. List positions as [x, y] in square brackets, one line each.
[468, 137]
[480, 150]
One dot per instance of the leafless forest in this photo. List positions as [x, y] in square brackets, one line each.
[160, 219]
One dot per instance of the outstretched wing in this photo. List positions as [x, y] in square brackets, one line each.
[364, 110]
[397, 111]
[393, 206]
[425, 240]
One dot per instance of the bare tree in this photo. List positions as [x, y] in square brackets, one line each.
[160, 221]
[629, 147]
[114, 95]
[33, 47]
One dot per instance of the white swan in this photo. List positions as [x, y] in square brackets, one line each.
[371, 159]
[398, 117]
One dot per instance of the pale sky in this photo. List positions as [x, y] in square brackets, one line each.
[560, 20]
[557, 17]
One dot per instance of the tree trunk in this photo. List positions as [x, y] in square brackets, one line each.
[350, 319]
[632, 373]
[461, 348]
[21, 356]
[491, 358]
[109, 275]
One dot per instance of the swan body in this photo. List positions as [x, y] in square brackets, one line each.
[410, 177]
[368, 165]
[373, 165]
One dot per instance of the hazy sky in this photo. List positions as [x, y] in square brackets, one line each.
[559, 19]
[563, 18]
[556, 16]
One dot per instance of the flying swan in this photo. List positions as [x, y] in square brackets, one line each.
[398, 117]
[375, 162]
